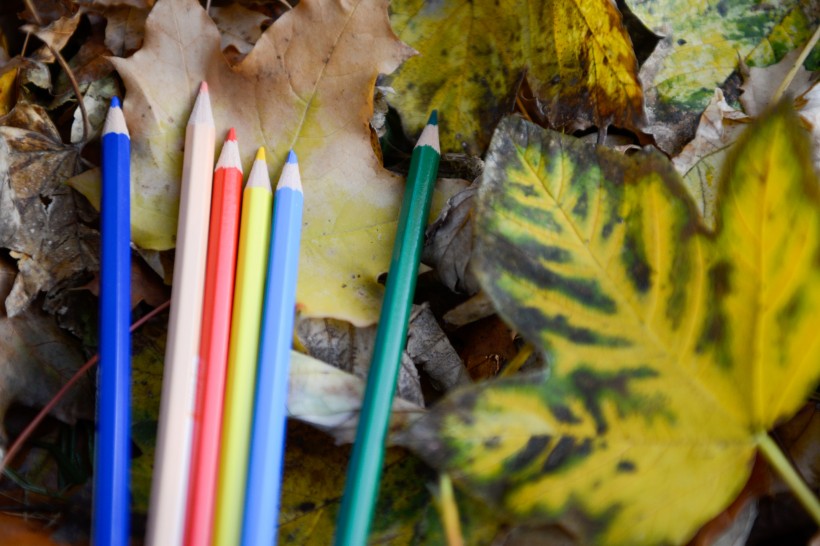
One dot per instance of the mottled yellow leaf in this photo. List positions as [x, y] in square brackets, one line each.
[673, 350]
[701, 46]
[576, 55]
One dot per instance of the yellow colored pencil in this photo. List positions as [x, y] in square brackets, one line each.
[251, 265]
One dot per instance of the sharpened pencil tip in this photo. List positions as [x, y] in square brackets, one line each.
[115, 102]
[429, 135]
[292, 157]
[260, 154]
[231, 134]
[203, 87]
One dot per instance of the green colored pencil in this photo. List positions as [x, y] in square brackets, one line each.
[364, 471]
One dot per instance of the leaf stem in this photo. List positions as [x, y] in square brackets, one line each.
[80, 100]
[797, 64]
[778, 461]
[448, 510]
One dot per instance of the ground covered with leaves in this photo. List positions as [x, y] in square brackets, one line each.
[615, 331]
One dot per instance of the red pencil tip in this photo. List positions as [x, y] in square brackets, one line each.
[203, 87]
[231, 134]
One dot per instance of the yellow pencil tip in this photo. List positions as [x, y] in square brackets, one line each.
[260, 154]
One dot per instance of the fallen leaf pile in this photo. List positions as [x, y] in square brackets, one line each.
[613, 337]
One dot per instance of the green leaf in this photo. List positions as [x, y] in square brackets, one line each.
[673, 351]
[576, 54]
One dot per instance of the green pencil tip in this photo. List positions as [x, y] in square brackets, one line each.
[433, 118]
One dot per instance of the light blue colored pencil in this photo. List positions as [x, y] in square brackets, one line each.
[112, 451]
[264, 483]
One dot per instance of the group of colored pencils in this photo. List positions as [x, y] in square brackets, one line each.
[221, 436]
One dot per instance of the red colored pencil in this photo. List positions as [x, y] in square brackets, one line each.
[213, 348]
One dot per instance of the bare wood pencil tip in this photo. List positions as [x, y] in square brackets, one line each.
[202, 112]
[429, 136]
[115, 120]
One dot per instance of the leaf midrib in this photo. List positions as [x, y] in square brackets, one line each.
[668, 355]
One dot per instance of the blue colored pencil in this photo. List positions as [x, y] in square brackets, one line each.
[268, 435]
[111, 507]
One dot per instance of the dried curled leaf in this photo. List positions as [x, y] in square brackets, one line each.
[44, 222]
[672, 351]
[37, 359]
[576, 54]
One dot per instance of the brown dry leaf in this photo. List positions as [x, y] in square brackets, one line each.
[125, 30]
[138, 4]
[448, 245]
[43, 219]
[760, 84]
[240, 27]
[475, 308]
[350, 349]
[808, 108]
[20, 529]
[37, 359]
[486, 345]
[429, 348]
[88, 65]
[307, 85]
[47, 11]
[145, 285]
[700, 163]
[55, 36]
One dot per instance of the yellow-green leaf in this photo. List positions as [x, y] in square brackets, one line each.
[673, 351]
[576, 54]
[314, 474]
[702, 43]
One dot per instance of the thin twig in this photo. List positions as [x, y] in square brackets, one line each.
[33, 11]
[29, 430]
[76, 87]
[797, 64]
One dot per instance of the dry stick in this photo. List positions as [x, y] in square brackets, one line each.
[33, 11]
[797, 64]
[522, 109]
[76, 88]
[21, 439]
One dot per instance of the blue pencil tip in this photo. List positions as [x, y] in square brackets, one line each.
[433, 118]
[115, 102]
[291, 157]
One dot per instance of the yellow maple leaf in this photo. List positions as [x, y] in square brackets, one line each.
[306, 85]
[673, 350]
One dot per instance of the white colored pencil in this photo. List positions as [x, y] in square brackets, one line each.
[169, 487]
